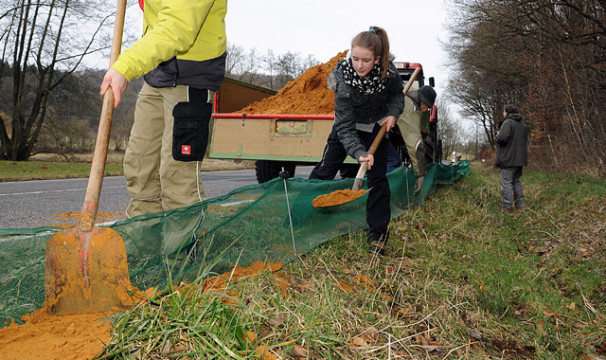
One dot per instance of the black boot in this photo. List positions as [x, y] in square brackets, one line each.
[378, 243]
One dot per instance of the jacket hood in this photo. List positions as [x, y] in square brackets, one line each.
[515, 117]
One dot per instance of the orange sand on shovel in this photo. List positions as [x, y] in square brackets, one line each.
[81, 336]
[66, 289]
[338, 197]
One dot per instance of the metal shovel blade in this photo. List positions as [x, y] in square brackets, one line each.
[86, 272]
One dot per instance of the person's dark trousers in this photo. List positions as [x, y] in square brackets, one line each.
[393, 159]
[378, 208]
[334, 155]
[511, 188]
[332, 159]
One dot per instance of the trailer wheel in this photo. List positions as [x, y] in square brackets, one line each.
[267, 170]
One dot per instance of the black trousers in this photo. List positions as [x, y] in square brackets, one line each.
[378, 208]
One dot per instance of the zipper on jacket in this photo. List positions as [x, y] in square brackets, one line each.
[374, 106]
[176, 75]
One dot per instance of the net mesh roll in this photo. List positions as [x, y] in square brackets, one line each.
[247, 225]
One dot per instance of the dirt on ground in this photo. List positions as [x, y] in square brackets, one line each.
[82, 336]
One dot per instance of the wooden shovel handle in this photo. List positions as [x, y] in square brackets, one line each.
[375, 144]
[95, 180]
[371, 151]
[411, 80]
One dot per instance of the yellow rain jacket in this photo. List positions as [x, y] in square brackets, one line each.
[183, 43]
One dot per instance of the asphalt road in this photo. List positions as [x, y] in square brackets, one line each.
[28, 204]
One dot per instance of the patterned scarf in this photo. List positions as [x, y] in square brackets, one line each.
[368, 85]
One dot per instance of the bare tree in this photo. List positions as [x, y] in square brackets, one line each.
[66, 135]
[250, 67]
[266, 70]
[41, 42]
[548, 57]
[479, 105]
[288, 67]
[270, 66]
[309, 61]
[454, 135]
[234, 60]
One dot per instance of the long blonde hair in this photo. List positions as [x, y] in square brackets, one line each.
[377, 41]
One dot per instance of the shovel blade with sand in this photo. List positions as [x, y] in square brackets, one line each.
[86, 268]
[340, 197]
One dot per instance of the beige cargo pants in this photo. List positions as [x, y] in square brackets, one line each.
[409, 123]
[155, 181]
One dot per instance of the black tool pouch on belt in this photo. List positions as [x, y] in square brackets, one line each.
[190, 128]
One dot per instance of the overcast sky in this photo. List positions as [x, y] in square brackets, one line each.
[324, 28]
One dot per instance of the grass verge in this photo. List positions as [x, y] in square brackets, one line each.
[47, 170]
[461, 279]
[52, 167]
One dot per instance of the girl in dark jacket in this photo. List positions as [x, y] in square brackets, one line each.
[368, 93]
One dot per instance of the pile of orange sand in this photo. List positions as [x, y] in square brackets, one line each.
[44, 336]
[307, 94]
[82, 336]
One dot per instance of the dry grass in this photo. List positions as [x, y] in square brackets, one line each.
[221, 164]
[461, 280]
[112, 157]
[117, 157]
[54, 166]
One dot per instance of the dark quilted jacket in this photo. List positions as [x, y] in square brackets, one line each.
[513, 142]
[353, 107]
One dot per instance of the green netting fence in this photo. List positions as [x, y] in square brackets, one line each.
[250, 224]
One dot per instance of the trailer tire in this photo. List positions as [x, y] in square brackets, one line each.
[267, 170]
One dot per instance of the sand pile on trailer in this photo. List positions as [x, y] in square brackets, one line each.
[307, 94]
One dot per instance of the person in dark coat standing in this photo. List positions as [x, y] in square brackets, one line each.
[512, 156]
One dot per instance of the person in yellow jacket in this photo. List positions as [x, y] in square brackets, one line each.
[417, 104]
[181, 56]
